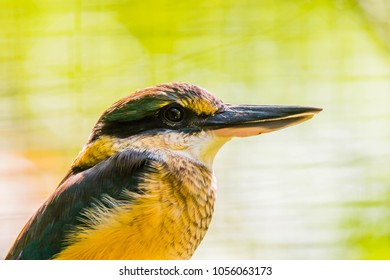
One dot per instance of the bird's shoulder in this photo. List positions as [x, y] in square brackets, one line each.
[79, 190]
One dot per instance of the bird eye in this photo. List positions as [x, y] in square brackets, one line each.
[174, 114]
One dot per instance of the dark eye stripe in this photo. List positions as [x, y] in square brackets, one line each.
[172, 116]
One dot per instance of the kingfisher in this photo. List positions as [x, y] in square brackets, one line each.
[143, 186]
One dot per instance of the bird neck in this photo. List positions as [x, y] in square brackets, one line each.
[201, 147]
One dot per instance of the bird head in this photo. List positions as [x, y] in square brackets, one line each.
[181, 118]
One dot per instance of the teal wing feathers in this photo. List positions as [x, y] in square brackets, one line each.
[44, 235]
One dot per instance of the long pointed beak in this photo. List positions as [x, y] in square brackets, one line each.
[248, 120]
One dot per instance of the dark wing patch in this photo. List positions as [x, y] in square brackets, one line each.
[44, 235]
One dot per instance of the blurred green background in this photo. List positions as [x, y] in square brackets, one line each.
[320, 190]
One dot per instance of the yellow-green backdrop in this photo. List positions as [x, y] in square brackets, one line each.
[320, 190]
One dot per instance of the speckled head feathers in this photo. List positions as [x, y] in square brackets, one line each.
[141, 110]
[152, 98]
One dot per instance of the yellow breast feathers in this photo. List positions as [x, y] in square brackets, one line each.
[167, 221]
